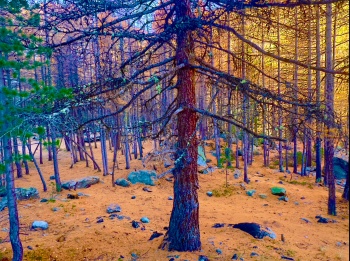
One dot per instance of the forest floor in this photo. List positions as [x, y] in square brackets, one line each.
[74, 233]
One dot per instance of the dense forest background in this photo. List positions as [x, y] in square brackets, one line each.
[270, 74]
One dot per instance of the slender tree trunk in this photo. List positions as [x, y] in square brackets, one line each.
[183, 233]
[37, 167]
[55, 160]
[330, 132]
[17, 162]
[295, 94]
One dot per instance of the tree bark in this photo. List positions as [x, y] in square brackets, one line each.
[183, 233]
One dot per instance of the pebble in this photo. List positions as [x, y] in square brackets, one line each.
[133, 197]
[144, 220]
[287, 258]
[203, 258]
[252, 254]
[99, 220]
[44, 200]
[147, 189]
[306, 220]
[30, 247]
[209, 193]
[219, 251]
[170, 198]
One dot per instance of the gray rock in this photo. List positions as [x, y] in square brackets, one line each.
[263, 196]
[251, 192]
[340, 168]
[144, 220]
[146, 177]
[113, 208]
[209, 193]
[81, 183]
[255, 230]
[40, 225]
[122, 183]
[26, 193]
[52, 177]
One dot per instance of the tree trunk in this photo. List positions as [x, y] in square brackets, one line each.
[183, 233]
[55, 160]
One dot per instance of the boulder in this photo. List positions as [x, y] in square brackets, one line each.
[146, 177]
[26, 193]
[278, 191]
[201, 160]
[255, 230]
[81, 183]
[340, 168]
[40, 225]
[113, 208]
[122, 183]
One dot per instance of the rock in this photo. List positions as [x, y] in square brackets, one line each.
[44, 200]
[296, 203]
[278, 191]
[146, 189]
[201, 160]
[203, 258]
[135, 224]
[99, 220]
[144, 220]
[133, 197]
[323, 220]
[209, 193]
[81, 183]
[40, 225]
[236, 176]
[170, 198]
[219, 251]
[204, 171]
[52, 177]
[113, 208]
[237, 173]
[217, 225]
[255, 230]
[146, 177]
[26, 193]
[2, 191]
[263, 196]
[306, 220]
[252, 254]
[61, 238]
[30, 247]
[287, 258]
[280, 182]
[284, 198]
[155, 235]
[235, 257]
[251, 192]
[72, 196]
[122, 182]
[55, 209]
[340, 168]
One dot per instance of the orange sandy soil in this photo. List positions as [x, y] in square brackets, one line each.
[73, 233]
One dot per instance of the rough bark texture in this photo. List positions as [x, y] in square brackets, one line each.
[183, 233]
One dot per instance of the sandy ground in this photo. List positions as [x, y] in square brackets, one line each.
[74, 234]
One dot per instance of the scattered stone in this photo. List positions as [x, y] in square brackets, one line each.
[44, 200]
[296, 203]
[287, 258]
[306, 220]
[99, 220]
[236, 176]
[278, 191]
[170, 198]
[339, 244]
[135, 224]
[81, 183]
[203, 258]
[146, 177]
[55, 209]
[255, 230]
[123, 183]
[30, 247]
[280, 182]
[81, 194]
[147, 189]
[263, 196]
[40, 225]
[251, 192]
[113, 208]
[204, 171]
[155, 235]
[209, 193]
[144, 220]
[61, 238]
[302, 198]
[134, 255]
[219, 251]
[265, 205]
[234, 257]
[133, 197]
[217, 225]
[283, 198]
[52, 177]
[252, 254]
[72, 196]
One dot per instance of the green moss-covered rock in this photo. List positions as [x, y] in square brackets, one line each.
[146, 177]
[278, 191]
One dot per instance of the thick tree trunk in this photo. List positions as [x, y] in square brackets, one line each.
[183, 233]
